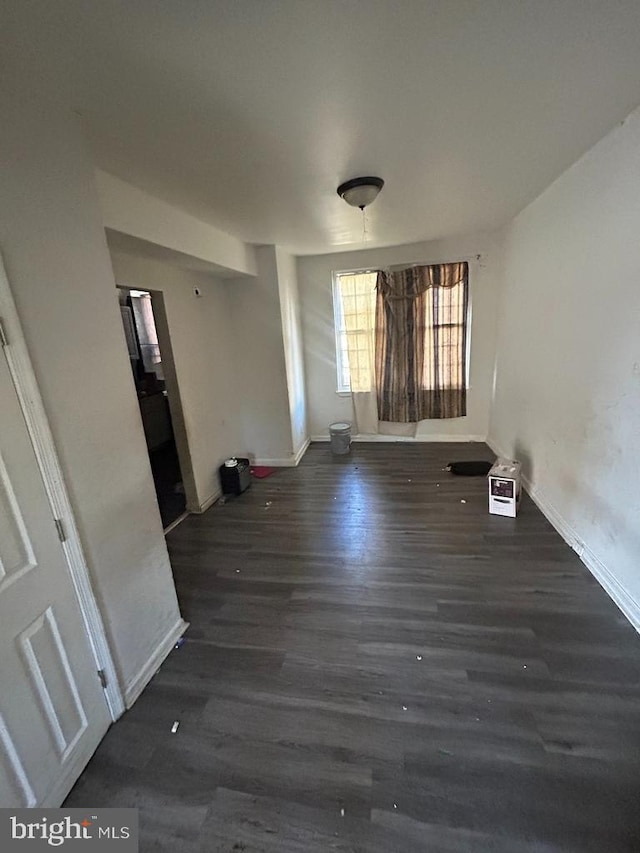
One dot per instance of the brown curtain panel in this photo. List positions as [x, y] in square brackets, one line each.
[421, 340]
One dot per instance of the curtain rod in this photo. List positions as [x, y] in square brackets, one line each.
[400, 267]
[407, 266]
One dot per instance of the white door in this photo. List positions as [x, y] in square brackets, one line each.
[53, 711]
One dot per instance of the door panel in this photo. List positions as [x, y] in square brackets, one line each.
[47, 666]
[53, 711]
[14, 785]
[16, 552]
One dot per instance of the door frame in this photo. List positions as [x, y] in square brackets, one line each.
[174, 398]
[14, 346]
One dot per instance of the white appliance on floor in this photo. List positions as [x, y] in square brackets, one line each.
[504, 487]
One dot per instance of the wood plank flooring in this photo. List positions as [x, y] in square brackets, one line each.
[373, 666]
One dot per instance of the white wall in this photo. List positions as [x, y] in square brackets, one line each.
[293, 348]
[130, 210]
[567, 396]
[52, 238]
[202, 344]
[259, 369]
[315, 273]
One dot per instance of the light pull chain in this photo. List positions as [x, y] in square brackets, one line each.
[364, 225]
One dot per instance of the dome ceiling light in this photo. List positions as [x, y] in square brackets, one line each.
[360, 192]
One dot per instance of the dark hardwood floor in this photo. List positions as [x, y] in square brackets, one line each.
[374, 665]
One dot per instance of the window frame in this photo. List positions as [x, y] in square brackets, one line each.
[339, 326]
[465, 328]
[339, 330]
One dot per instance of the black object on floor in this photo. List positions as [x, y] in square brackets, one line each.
[236, 479]
[470, 469]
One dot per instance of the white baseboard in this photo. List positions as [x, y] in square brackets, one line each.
[419, 439]
[301, 451]
[203, 507]
[611, 585]
[605, 577]
[494, 447]
[286, 461]
[137, 685]
[176, 522]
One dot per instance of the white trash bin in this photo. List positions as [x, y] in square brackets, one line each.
[340, 438]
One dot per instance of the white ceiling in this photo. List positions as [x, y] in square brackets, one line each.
[249, 113]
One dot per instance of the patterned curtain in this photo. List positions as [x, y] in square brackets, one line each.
[421, 339]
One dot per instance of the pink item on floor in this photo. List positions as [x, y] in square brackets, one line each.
[262, 471]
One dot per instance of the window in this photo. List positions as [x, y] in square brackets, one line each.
[354, 305]
[146, 329]
[446, 339]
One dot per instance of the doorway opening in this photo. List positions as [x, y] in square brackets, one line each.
[144, 321]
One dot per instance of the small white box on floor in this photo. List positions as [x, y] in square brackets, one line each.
[504, 487]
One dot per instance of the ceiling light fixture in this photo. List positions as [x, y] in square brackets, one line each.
[359, 192]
